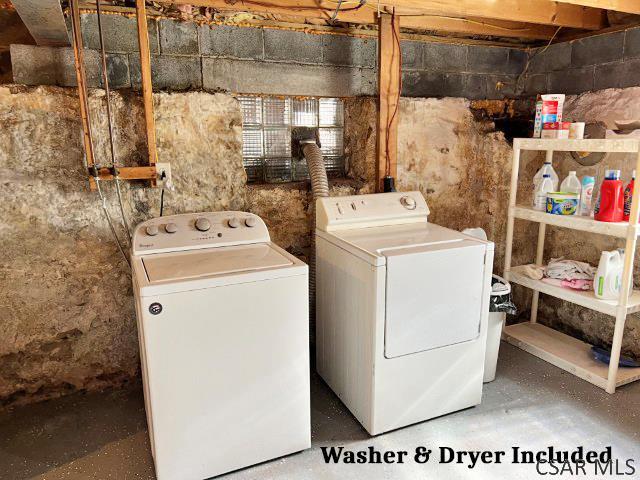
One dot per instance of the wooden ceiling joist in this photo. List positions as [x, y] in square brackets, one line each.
[543, 12]
[546, 12]
[479, 26]
[625, 6]
[45, 21]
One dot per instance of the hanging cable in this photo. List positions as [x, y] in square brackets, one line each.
[531, 57]
[103, 201]
[335, 14]
[163, 176]
[93, 169]
[114, 165]
[395, 51]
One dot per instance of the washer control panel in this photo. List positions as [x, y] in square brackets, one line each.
[378, 209]
[191, 231]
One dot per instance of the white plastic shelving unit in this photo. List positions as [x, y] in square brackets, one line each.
[555, 347]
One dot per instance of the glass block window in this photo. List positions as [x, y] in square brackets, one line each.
[266, 136]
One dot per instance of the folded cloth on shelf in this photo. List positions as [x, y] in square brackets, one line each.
[578, 284]
[499, 287]
[562, 269]
[553, 281]
[533, 271]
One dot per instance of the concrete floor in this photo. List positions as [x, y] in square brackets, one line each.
[531, 404]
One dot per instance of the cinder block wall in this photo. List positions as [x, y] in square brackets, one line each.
[186, 56]
[610, 60]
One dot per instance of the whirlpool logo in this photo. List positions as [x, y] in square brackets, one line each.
[155, 308]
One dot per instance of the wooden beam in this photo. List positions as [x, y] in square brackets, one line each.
[431, 23]
[437, 24]
[480, 26]
[546, 12]
[130, 173]
[147, 89]
[389, 80]
[78, 52]
[44, 20]
[573, 35]
[626, 6]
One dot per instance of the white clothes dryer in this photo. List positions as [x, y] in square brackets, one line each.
[402, 308]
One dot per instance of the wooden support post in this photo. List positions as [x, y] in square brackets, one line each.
[542, 228]
[147, 88]
[627, 285]
[78, 53]
[515, 166]
[539, 261]
[389, 88]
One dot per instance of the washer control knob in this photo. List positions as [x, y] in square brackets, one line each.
[152, 230]
[250, 222]
[233, 222]
[408, 202]
[171, 228]
[203, 224]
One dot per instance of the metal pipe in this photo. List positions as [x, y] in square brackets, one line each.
[109, 221]
[114, 165]
[86, 118]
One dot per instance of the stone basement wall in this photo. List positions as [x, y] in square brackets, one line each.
[186, 56]
[68, 312]
[610, 60]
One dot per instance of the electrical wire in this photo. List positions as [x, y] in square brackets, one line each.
[335, 14]
[300, 7]
[538, 52]
[467, 20]
[75, 27]
[114, 165]
[103, 201]
[162, 178]
[396, 37]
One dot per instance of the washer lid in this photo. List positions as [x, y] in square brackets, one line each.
[209, 262]
[376, 244]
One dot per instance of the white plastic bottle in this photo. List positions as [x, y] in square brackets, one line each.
[586, 196]
[546, 168]
[606, 284]
[571, 184]
[540, 194]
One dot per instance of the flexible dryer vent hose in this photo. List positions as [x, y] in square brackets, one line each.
[317, 172]
[319, 189]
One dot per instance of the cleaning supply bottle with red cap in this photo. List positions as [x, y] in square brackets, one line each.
[610, 206]
[628, 194]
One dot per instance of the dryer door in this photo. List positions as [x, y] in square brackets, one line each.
[433, 296]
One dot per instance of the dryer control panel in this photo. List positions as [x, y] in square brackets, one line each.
[374, 210]
[192, 231]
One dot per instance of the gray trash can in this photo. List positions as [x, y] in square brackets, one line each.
[499, 305]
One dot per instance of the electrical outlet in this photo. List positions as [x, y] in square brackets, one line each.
[164, 168]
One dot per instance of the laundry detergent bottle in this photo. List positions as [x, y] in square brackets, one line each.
[610, 206]
[606, 284]
[628, 194]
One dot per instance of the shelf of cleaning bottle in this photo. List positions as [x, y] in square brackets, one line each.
[575, 222]
[583, 298]
[617, 145]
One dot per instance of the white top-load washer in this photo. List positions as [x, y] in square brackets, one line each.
[402, 308]
[223, 328]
